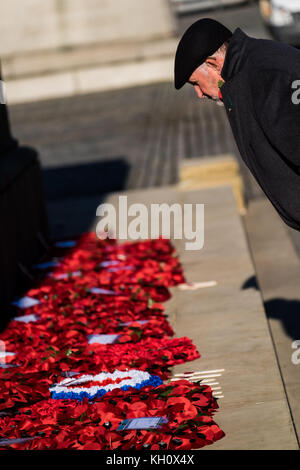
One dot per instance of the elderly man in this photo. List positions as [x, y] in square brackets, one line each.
[258, 82]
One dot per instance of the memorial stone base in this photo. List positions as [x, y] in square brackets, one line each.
[23, 220]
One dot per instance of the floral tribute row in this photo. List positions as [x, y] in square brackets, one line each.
[96, 310]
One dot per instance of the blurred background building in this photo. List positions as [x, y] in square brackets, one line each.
[63, 47]
[90, 85]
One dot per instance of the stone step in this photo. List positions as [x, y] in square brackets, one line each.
[278, 275]
[227, 323]
[44, 75]
[209, 172]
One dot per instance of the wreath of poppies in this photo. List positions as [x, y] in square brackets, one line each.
[104, 290]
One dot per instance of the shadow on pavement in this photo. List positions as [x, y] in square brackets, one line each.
[85, 179]
[251, 283]
[285, 311]
[74, 192]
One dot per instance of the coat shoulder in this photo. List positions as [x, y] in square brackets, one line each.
[266, 56]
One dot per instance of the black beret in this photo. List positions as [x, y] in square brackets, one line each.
[202, 39]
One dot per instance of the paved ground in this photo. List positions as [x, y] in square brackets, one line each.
[145, 126]
[126, 139]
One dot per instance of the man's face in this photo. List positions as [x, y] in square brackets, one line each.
[205, 79]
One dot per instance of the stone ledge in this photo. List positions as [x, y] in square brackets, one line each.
[51, 61]
[90, 79]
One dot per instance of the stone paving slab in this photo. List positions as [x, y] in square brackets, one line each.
[150, 127]
[209, 172]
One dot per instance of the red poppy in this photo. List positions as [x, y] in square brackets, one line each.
[57, 344]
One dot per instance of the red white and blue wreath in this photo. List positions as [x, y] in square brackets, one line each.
[95, 386]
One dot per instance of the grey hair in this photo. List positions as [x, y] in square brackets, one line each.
[223, 48]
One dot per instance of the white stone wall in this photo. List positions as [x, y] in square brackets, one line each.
[29, 25]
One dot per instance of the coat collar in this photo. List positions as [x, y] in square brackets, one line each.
[235, 55]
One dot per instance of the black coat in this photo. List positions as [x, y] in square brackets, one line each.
[265, 122]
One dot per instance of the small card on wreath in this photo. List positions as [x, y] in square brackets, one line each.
[99, 290]
[142, 423]
[102, 339]
[26, 302]
[27, 318]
